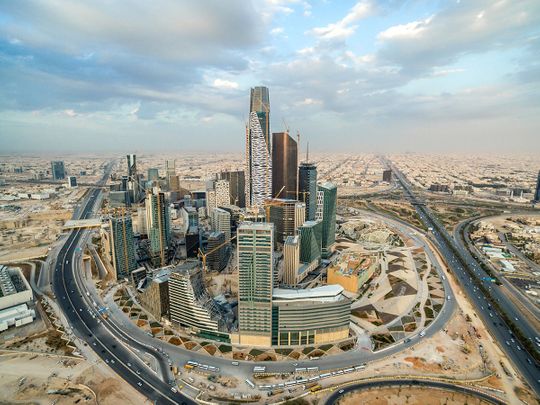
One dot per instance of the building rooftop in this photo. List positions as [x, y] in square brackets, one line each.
[331, 292]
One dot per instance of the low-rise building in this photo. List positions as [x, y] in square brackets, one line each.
[352, 271]
[15, 297]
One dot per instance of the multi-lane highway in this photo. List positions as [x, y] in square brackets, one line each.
[471, 276]
[109, 343]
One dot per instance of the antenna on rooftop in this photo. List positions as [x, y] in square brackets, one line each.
[307, 152]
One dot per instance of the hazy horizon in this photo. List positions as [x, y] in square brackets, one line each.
[384, 76]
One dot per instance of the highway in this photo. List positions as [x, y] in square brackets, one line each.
[466, 244]
[109, 343]
[334, 398]
[465, 267]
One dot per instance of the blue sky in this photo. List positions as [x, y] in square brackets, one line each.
[367, 75]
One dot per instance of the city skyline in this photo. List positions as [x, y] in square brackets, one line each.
[368, 75]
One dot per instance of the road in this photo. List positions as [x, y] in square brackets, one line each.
[115, 348]
[334, 398]
[466, 243]
[465, 267]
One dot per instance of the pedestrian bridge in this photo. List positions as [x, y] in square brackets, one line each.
[82, 223]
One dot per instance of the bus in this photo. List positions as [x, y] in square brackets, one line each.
[316, 388]
[250, 383]
[259, 369]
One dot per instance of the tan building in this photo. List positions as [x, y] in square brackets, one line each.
[352, 271]
[155, 295]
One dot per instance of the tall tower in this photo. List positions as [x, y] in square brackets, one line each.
[132, 178]
[307, 188]
[158, 226]
[57, 170]
[537, 192]
[284, 165]
[122, 245]
[255, 257]
[329, 192]
[258, 149]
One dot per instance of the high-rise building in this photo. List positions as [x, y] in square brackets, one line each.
[190, 305]
[255, 255]
[320, 206]
[170, 175]
[291, 260]
[284, 166]
[122, 245]
[220, 221]
[132, 186]
[283, 214]
[307, 188]
[118, 199]
[210, 201]
[310, 242]
[222, 193]
[258, 149]
[218, 251]
[72, 182]
[329, 191]
[131, 165]
[387, 176]
[153, 174]
[57, 170]
[537, 192]
[158, 225]
[237, 187]
[299, 215]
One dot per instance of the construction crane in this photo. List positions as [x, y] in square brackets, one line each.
[202, 255]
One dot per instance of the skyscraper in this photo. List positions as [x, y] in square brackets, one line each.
[122, 245]
[329, 191]
[133, 187]
[218, 252]
[255, 257]
[283, 214]
[57, 170]
[220, 221]
[153, 174]
[170, 175]
[158, 226]
[258, 149]
[307, 188]
[537, 192]
[237, 187]
[291, 259]
[310, 242]
[284, 165]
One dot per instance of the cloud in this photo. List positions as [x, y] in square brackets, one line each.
[343, 28]
[460, 29]
[225, 84]
[277, 31]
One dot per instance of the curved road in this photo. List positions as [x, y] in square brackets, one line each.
[334, 398]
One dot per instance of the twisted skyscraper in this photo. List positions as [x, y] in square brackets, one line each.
[258, 149]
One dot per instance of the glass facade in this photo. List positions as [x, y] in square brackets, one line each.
[307, 188]
[329, 192]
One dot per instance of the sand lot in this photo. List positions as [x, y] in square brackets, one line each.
[38, 379]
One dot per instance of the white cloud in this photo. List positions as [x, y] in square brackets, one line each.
[70, 113]
[344, 28]
[225, 84]
[277, 31]
[309, 101]
[409, 30]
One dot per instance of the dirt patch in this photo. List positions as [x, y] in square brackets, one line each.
[400, 396]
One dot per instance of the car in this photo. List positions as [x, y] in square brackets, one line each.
[407, 340]
[107, 361]
[129, 364]
[138, 372]
[112, 361]
[94, 343]
[341, 391]
[174, 389]
[139, 384]
[235, 363]
[507, 343]
[529, 361]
